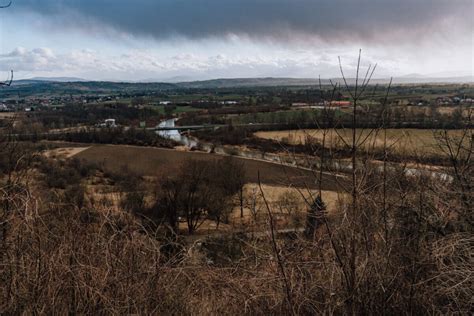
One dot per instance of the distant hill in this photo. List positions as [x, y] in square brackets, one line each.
[47, 88]
[249, 82]
[38, 80]
[58, 79]
[272, 82]
[63, 85]
[255, 82]
[422, 79]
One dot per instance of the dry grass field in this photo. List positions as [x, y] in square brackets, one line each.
[158, 162]
[288, 191]
[401, 141]
[288, 206]
[64, 152]
[8, 115]
[278, 195]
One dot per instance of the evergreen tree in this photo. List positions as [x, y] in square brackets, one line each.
[315, 216]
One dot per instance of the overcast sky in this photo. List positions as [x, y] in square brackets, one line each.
[203, 39]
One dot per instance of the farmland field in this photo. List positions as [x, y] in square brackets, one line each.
[149, 161]
[401, 141]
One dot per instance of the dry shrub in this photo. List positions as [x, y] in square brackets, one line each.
[59, 259]
[452, 280]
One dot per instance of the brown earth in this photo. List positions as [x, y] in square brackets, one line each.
[148, 161]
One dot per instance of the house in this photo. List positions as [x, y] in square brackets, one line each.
[228, 102]
[341, 104]
[108, 123]
[299, 104]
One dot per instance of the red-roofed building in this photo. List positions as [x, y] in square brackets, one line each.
[341, 103]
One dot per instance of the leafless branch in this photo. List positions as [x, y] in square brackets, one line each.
[9, 81]
[6, 5]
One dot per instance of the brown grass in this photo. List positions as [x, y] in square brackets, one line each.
[64, 152]
[5, 115]
[402, 141]
[274, 195]
[158, 162]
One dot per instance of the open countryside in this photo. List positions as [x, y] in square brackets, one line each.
[310, 157]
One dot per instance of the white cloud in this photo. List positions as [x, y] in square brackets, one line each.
[135, 49]
[21, 59]
[211, 61]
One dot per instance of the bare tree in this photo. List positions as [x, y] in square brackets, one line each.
[9, 81]
[6, 5]
[458, 147]
[200, 191]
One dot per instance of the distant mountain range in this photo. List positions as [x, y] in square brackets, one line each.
[36, 80]
[58, 79]
[270, 82]
[240, 82]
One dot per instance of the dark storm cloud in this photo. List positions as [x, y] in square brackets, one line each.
[331, 20]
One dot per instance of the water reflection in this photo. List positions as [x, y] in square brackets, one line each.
[175, 135]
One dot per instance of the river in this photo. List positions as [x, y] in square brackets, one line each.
[301, 162]
[175, 134]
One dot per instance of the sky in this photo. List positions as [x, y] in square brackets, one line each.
[179, 40]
